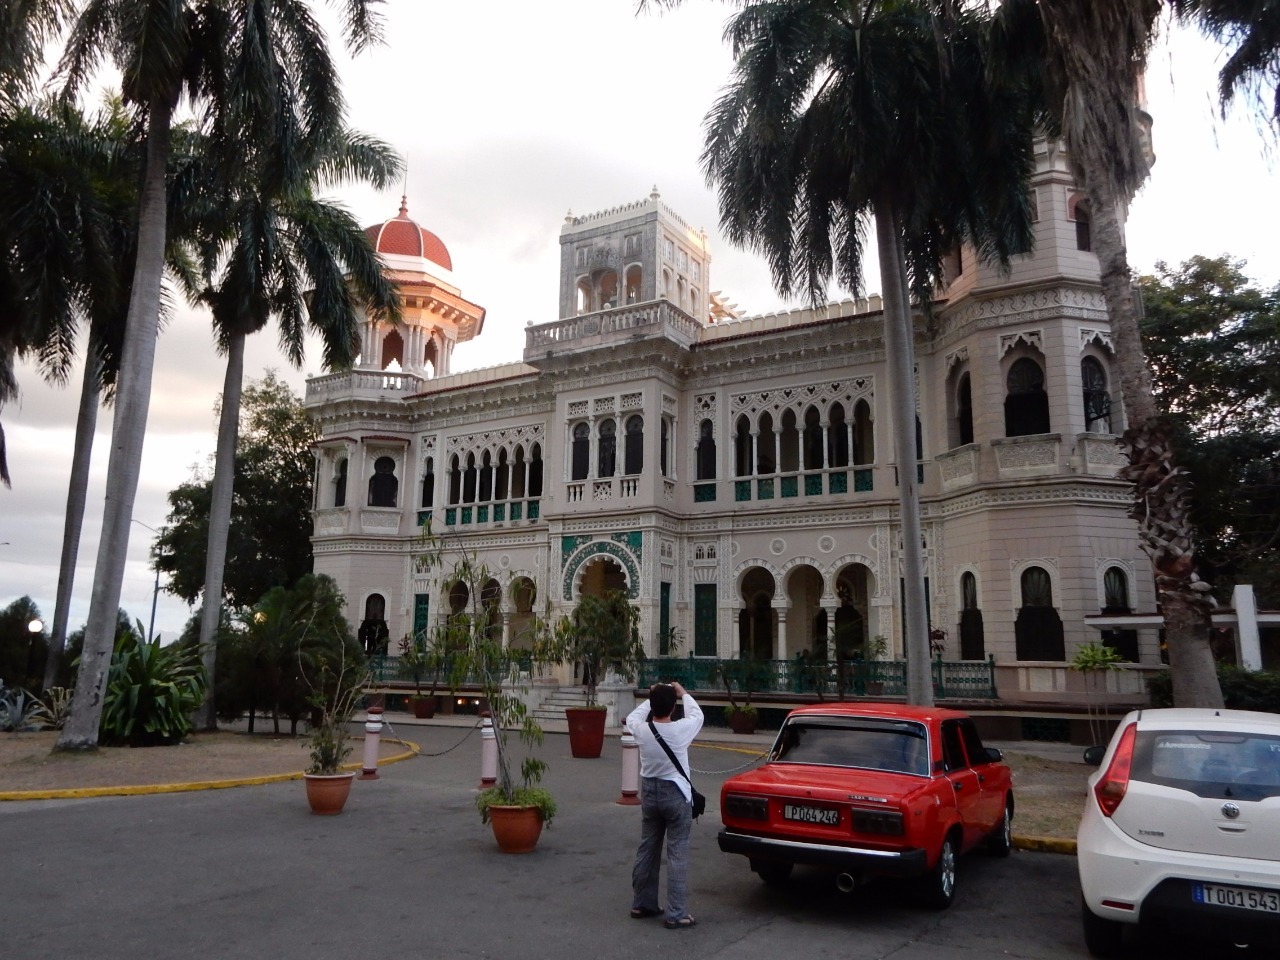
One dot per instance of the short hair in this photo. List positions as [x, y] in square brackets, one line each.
[662, 699]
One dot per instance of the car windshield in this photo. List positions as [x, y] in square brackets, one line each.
[895, 745]
[1242, 766]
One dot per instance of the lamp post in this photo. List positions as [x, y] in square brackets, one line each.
[155, 593]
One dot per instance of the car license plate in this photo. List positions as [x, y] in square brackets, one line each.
[1268, 901]
[811, 814]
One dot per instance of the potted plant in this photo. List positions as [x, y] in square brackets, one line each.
[602, 633]
[335, 693]
[1095, 659]
[416, 660]
[745, 674]
[877, 650]
[515, 808]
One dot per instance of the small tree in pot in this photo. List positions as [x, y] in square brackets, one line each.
[602, 633]
[337, 679]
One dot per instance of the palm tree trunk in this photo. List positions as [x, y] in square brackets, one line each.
[133, 399]
[1162, 489]
[899, 343]
[77, 492]
[224, 477]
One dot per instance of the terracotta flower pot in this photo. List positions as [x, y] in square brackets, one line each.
[424, 708]
[586, 730]
[516, 829]
[740, 721]
[328, 794]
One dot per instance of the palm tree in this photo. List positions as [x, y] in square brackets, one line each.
[281, 252]
[245, 58]
[1251, 28]
[839, 112]
[1086, 57]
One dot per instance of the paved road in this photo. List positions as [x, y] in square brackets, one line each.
[408, 871]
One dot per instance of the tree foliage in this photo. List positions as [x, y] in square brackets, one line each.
[1213, 339]
[268, 544]
[22, 653]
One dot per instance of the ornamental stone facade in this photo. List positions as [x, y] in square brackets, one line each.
[736, 475]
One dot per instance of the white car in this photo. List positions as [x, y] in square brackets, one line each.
[1181, 829]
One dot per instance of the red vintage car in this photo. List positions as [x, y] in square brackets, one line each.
[871, 790]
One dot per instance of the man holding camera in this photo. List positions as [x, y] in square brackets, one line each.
[666, 798]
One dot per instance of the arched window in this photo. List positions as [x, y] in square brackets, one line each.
[634, 453]
[789, 448]
[392, 350]
[765, 446]
[1084, 225]
[812, 439]
[1026, 405]
[837, 437]
[373, 633]
[583, 299]
[486, 478]
[706, 451]
[517, 475]
[431, 356]
[607, 449]
[664, 448]
[972, 638]
[964, 410]
[1097, 399]
[1115, 588]
[1038, 628]
[502, 485]
[469, 480]
[634, 275]
[340, 484]
[580, 458]
[383, 485]
[428, 482]
[455, 481]
[864, 438]
[742, 448]
[535, 470]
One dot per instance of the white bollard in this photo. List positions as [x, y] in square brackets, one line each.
[488, 754]
[372, 731]
[630, 772]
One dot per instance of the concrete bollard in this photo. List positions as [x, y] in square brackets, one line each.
[488, 754]
[372, 732]
[630, 772]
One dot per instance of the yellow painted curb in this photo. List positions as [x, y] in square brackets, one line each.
[1045, 845]
[742, 750]
[76, 793]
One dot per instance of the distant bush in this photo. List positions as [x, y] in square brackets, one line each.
[151, 692]
[1241, 689]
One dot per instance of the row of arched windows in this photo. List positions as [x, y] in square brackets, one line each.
[813, 440]
[487, 478]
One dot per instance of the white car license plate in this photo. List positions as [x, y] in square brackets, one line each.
[1268, 901]
[811, 814]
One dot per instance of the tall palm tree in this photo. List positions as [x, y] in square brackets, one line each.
[1251, 29]
[279, 251]
[266, 59]
[1087, 57]
[839, 112]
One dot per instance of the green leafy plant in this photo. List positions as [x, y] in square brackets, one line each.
[57, 701]
[336, 689]
[1092, 659]
[472, 635]
[20, 712]
[601, 633]
[1241, 689]
[151, 691]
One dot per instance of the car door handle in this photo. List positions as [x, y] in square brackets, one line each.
[958, 786]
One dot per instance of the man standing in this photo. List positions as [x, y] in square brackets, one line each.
[666, 799]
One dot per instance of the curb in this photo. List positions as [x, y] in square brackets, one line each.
[142, 790]
[1045, 845]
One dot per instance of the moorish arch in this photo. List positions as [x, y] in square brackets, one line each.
[522, 596]
[578, 565]
[757, 619]
[804, 587]
[855, 585]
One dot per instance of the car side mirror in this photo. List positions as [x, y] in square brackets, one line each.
[1093, 755]
[994, 755]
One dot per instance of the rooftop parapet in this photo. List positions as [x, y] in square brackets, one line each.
[657, 318]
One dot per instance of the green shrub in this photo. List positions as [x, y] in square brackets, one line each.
[151, 692]
[21, 712]
[1241, 689]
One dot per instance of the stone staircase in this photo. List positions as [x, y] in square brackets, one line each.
[554, 703]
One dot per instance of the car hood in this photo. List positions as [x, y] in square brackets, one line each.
[835, 784]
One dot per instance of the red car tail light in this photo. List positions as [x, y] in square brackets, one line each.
[1111, 786]
[884, 822]
[745, 807]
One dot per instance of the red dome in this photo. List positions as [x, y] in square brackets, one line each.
[403, 237]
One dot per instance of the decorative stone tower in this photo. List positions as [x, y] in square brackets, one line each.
[436, 316]
[631, 254]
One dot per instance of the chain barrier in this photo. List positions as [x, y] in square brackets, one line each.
[465, 738]
[742, 766]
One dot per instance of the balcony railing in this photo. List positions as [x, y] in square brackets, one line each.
[654, 318]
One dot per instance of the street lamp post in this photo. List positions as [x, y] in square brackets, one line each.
[155, 593]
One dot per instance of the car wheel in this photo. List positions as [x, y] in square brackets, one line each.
[1103, 937]
[772, 872]
[1001, 842]
[939, 886]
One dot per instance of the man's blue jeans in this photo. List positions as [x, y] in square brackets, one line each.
[665, 812]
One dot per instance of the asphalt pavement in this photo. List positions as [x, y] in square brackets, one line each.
[409, 870]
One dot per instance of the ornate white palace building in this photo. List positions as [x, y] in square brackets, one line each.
[736, 475]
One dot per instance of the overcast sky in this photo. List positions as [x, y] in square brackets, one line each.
[509, 115]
